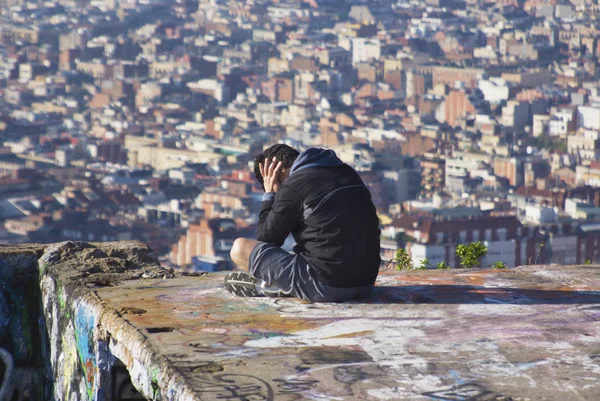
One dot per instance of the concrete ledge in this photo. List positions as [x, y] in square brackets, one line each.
[82, 338]
[88, 338]
[108, 313]
[527, 333]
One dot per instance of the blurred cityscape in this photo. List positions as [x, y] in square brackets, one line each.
[139, 119]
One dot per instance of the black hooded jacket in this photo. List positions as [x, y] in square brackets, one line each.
[328, 210]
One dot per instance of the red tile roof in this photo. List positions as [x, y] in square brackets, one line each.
[429, 227]
[531, 191]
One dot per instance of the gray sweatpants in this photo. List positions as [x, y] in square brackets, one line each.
[288, 274]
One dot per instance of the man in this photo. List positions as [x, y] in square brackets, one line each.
[327, 208]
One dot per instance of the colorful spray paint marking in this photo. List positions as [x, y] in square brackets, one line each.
[85, 325]
[67, 365]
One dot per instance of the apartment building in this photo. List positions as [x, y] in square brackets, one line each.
[436, 240]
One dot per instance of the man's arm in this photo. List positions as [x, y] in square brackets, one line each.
[277, 217]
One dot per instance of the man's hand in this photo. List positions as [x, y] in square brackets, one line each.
[270, 172]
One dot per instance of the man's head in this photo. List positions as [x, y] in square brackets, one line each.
[283, 153]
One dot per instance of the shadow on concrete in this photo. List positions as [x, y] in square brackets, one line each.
[466, 294]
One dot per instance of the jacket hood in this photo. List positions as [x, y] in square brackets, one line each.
[315, 157]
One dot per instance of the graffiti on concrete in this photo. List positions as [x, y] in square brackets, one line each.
[82, 350]
[236, 387]
[85, 324]
[401, 344]
[294, 385]
[52, 346]
[467, 391]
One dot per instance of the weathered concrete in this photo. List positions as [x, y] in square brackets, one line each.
[108, 309]
[530, 333]
[49, 317]
[86, 337]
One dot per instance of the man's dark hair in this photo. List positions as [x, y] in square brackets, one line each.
[283, 153]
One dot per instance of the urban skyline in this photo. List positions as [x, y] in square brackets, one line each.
[468, 120]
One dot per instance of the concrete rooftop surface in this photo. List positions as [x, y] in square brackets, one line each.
[86, 321]
[530, 333]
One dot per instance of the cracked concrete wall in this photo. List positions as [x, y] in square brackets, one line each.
[81, 356]
[65, 343]
[79, 353]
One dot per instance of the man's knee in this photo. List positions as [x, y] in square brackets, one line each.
[241, 249]
[236, 249]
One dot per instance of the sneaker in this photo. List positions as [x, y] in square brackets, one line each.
[241, 284]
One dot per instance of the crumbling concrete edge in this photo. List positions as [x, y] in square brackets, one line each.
[140, 355]
[87, 337]
[113, 337]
